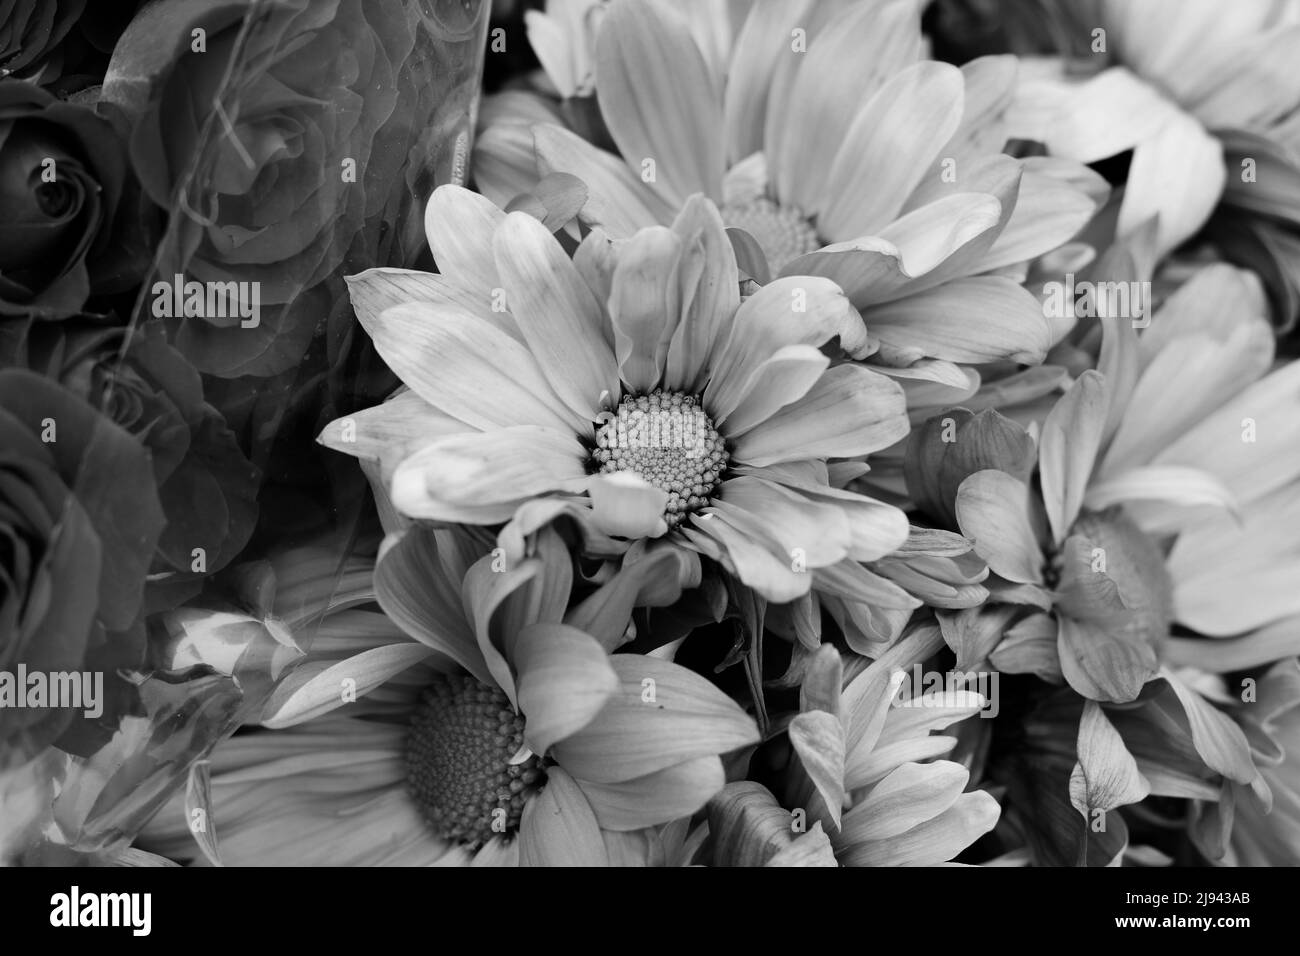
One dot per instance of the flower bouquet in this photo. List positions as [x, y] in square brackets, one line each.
[752, 433]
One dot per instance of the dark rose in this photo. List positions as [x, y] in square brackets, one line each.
[64, 185]
[293, 141]
[207, 488]
[31, 31]
[79, 523]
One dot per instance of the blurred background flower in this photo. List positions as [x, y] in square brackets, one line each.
[282, 173]
[79, 519]
[207, 488]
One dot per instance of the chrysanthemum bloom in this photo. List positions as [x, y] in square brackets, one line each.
[1164, 483]
[478, 720]
[867, 764]
[631, 388]
[1135, 455]
[840, 153]
[1208, 100]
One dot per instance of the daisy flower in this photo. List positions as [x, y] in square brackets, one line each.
[1149, 498]
[481, 721]
[631, 388]
[1225, 135]
[868, 767]
[1133, 455]
[839, 152]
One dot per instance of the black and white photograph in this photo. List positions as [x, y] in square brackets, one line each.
[651, 433]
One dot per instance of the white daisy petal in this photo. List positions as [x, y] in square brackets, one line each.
[559, 828]
[710, 284]
[460, 225]
[993, 511]
[645, 304]
[658, 99]
[1068, 450]
[564, 679]
[817, 531]
[795, 310]
[972, 321]
[557, 315]
[908, 797]
[764, 38]
[664, 795]
[849, 56]
[891, 143]
[616, 199]
[636, 735]
[850, 411]
[934, 841]
[468, 369]
[783, 378]
[467, 477]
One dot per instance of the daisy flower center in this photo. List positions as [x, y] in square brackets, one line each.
[463, 734]
[783, 233]
[667, 439]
